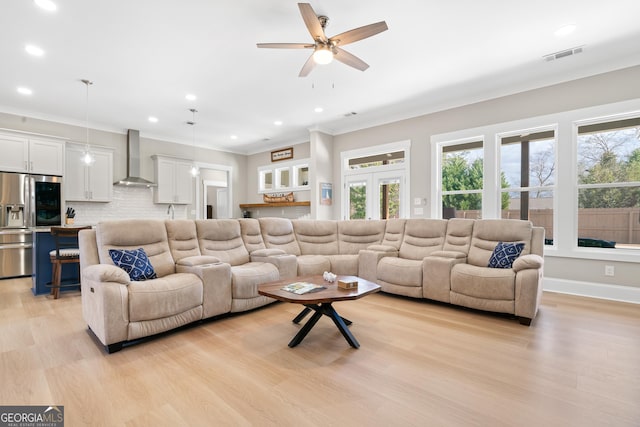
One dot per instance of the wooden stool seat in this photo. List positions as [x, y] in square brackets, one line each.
[64, 253]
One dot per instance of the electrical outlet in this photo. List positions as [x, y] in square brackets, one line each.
[609, 270]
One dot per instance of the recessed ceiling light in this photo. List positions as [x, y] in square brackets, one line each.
[318, 109]
[153, 119]
[34, 50]
[565, 30]
[278, 123]
[46, 5]
[191, 97]
[234, 137]
[24, 90]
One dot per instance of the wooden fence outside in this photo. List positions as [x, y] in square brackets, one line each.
[621, 225]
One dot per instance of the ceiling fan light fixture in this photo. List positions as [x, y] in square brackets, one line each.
[322, 55]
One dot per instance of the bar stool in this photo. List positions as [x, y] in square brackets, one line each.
[66, 252]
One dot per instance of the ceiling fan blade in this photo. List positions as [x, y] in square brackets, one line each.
[286, 45]
[350, 59]
[307, 67]
[312, 22]
[359, 33]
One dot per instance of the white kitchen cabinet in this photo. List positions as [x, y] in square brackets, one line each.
[27, 154]
[174, 179]
[46, 157]
[92, 183]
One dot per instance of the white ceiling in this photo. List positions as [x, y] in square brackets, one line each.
[144, 56]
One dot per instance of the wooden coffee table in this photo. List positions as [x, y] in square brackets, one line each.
[320, 302]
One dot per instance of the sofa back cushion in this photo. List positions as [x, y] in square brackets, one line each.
[488, 232]
[183, 239]
[354, 235]
[458, 236]
[316, 237]
[422, 237]
[222, 239]
[251, 234]
[150, 235]
[277, 233]
[394, 232]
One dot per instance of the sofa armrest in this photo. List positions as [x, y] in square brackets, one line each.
[106, 273]
[436, 275]
[526, 262]
[528, 292]
[196, 260]
[268, 252]
[286, 264]
[105, 302]
[382, 248]
[368, 261]
[216, 285]
[450, 254]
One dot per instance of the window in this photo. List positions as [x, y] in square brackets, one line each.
[527, 178]
[608, 177]
[462, 179]
[382, 159]
[285, 176]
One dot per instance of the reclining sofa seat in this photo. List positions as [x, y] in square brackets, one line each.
[369, 258]
[118, 309]
[252, 237]
[403, 274]
[222, 239]
[515, 290]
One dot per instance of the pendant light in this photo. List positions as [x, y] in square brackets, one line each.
[194, 168]
[87, 158]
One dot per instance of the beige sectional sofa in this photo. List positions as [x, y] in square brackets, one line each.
[206, 268]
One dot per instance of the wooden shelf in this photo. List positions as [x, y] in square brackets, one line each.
[273, 205]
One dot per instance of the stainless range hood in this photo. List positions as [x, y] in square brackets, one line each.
[133, 162]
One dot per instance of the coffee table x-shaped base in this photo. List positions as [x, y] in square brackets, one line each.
[321, 309]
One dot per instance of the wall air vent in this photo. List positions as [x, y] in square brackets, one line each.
[563, 53]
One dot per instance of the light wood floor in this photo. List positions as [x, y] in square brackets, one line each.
[420, 364]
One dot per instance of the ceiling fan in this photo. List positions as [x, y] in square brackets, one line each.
[325, 49]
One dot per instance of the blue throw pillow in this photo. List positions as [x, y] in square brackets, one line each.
[134, 262]
[505, 254]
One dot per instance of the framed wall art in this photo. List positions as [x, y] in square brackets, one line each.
[284, 154]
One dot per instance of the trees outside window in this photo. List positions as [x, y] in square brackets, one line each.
[608, 167]
[528, 165]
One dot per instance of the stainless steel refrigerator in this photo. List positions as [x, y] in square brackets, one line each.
[26, 201]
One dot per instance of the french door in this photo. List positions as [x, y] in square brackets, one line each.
[376, 195]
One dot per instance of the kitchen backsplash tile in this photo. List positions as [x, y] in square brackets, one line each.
[127, 203]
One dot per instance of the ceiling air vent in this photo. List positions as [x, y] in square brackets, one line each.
[563, 53]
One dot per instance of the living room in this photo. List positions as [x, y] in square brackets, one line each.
[589, 345]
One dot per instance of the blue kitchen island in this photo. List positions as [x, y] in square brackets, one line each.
[43, 243]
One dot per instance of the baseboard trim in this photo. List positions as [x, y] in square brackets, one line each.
[593, 290]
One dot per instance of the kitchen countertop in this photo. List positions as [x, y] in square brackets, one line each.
[48, 229]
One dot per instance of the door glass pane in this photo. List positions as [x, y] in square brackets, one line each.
[389, 190]
[358, 200]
